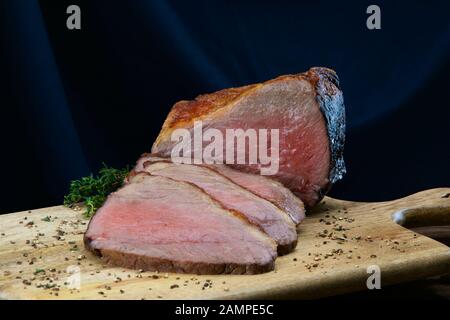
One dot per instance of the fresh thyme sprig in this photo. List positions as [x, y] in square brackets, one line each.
[92, 191]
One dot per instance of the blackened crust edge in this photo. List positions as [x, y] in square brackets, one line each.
[331, 102]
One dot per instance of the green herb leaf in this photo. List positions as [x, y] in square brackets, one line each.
[92, 191]
[39, 271]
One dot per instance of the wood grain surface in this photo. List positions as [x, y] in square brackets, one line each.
[42, 256]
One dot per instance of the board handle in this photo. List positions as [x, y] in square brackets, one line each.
[430, 208]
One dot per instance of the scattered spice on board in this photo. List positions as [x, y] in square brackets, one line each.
[29, 224]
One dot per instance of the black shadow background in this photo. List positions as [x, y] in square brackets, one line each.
[73, 99]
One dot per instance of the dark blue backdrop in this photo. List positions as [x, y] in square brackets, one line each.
[72, 99]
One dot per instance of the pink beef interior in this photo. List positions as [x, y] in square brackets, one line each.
[259, 185]
[174, 223]
[262, 213]
[266, 188]
[290, 106]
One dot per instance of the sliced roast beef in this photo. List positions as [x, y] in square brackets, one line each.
[266, 188]
[262, 186]
[307, 109]
[157, 223]
[260, 212]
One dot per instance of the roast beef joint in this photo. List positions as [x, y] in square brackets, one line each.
[178, 214]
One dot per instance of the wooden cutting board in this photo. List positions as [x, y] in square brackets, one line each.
[42, 256]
